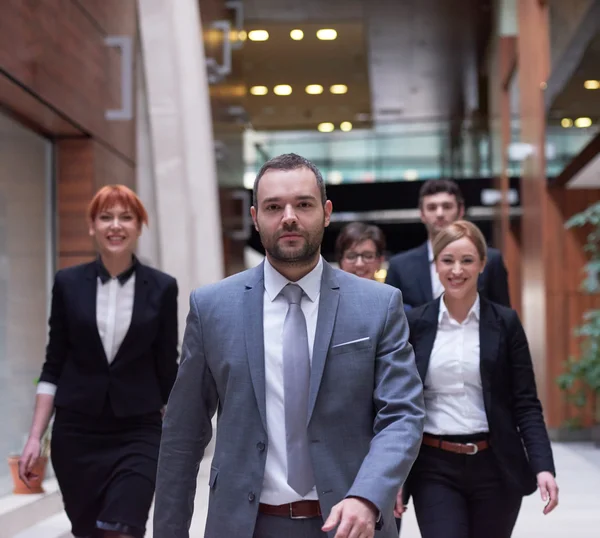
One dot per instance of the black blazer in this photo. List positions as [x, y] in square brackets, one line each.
[410, 272]
[141, 376]
[518, 435]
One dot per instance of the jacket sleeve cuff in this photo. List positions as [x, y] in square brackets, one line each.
[44, 387]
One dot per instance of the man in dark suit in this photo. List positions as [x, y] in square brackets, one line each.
[413, 272]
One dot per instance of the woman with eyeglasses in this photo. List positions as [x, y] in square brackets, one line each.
[359, 249]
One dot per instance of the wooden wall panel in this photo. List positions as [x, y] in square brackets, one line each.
[55, 50]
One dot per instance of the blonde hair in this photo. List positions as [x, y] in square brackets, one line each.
[457, 230]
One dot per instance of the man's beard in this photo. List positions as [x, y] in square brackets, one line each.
[298, 256]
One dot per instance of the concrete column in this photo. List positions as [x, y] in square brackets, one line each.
[185, 180]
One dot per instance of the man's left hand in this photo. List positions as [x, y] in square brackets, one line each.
[353, 517]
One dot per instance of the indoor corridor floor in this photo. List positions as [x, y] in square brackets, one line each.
[578, 515]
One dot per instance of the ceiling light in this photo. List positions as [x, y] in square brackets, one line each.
[566, 122]
[591, 84]
[258, 35]
[410, 175]
[326, 34]
[282, 89]
[338, 89]
[326, 127]
[259, 90]
[583, 122]
[314, 89]
[242, 35]
[297, 34]
[346, 126]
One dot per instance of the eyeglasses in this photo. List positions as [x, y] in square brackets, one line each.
[367, 257]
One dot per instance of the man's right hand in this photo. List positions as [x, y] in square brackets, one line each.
[30, 455]
[399, 509]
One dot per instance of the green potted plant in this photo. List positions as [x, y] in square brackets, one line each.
[581, 379]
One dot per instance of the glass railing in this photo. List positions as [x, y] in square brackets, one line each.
[402, 152]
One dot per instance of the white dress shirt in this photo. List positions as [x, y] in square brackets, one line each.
[275, 487]
[453, 391]
[436, 286]
[114, 308]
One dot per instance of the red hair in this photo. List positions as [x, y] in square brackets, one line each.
[111, 195]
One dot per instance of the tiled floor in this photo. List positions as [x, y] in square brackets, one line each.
[578, 515]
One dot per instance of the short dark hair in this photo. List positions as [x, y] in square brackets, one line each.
[357, 232]
[288, 161]
[435, 186]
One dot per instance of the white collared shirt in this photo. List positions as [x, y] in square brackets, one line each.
[275, 487]
[114, 308]
[453, 391]
[436, 286]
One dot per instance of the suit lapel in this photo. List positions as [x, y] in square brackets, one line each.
[140, 300]
[423, 273]
[328, 305]
[489, 341]
[425, 336]
[254, 335]
[88, 297]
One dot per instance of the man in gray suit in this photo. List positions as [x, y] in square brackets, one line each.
[320, 406]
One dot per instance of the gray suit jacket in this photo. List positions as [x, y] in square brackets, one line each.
[366, 409]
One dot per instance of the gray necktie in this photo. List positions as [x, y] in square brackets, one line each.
[296, 379]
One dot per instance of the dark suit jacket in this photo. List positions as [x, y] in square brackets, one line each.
[142, 374]
[410, 272]
[518, 435]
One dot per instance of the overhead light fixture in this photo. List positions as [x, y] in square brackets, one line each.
[326, 127]
[326, 34]
[592, 84]
[582, 123]
[410, 175]
[242, 35]
[338, 89]
[259, 90]
[297, 34]
[346, 126]
[258, 35]
[314, 89]
[566, 123]
[282, 89]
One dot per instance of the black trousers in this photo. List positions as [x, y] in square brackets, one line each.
[461, 496]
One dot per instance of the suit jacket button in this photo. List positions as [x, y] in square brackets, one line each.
[251, 497]
[260, 446]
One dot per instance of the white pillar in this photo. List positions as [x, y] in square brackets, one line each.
[185, 190]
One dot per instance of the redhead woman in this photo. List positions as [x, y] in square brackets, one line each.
[111, 362]
[485, 444]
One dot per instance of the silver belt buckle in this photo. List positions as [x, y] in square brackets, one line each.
[474, 447]
[292, 516]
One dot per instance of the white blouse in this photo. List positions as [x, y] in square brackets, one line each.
[453, 390]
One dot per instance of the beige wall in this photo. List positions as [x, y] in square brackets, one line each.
[25, 266]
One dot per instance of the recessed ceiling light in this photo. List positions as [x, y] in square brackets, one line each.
[282, 89]
[346, 126]
[410, 175]
[326, 34]
[566, 122]
[591, 84]
[258, 35]
[338, 89]
[259, 90]
[583, 122]
[314, 89]
[326, 127]
[297, 34]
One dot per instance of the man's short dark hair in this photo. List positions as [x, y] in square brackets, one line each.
[435, 186]
[357, 232]
[288, 161]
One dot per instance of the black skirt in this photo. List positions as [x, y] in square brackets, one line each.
[106, 469]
